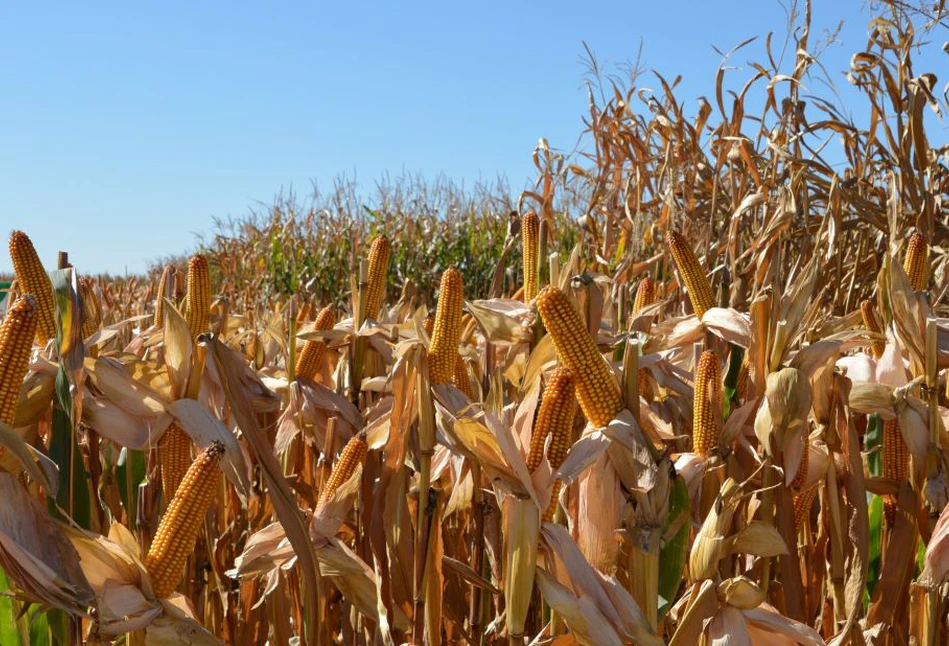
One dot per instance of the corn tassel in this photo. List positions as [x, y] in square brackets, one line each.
[867, 311]
[176, 535]
[916, 262]
[198, 298]
[707, 405]
[447, 330]
[32, 278]
[378, 275]
[530, 243]
[597, 390]
[691, 274]
[167, 286]
[895, 464]
[16, 341]
[645, 295]
[174, 450]
[353, 453]
[311, 357]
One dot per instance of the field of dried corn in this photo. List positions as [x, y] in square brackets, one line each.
[692, 390]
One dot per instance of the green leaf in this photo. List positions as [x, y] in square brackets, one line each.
[73, 496]
[129, 473]
[876, 531]
[673, 553]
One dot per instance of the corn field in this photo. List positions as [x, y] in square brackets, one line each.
[693, 391]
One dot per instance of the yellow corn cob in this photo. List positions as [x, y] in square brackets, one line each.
[198, 298]
[167, 287]
[378, 275]
[801, 476]
[33, 279]
[895, 464]
[645, 295]
[90, 305]
[309, 361]
[461, 378]
[353, 453]
[174, 450]
[179, 527]
[691, 274]
[802, 506]
[741, 384]
[916, 262]
[555, 418]
[597, 390]
[871, 323]
[447, 331]
[530, 242]
[707, 405]
[16, 340]
[429, 325]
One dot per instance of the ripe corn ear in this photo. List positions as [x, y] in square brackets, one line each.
[353, 453]
[167, 288]
[916, 262]
[16, 341]
[32, 278]
[447, 329]
[707, 405]
[691, 274]
[645, 295]
[461, 378]
[530, 243]
[176, 535]
[311, 357]
[895, 464]
[870, 321]
[378, 275]
[555, 418]
[90, 305]
[198, 298]
[802, 506]
[801, 476]
[597, 390]
[174, 450]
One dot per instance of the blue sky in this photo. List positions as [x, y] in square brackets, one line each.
[125, 127]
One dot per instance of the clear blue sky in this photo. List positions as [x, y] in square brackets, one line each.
[125, 127]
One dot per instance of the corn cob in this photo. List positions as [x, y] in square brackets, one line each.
[378, 275]
[530, 243]
[16, 340]
[90, 305]
[33, 279]
[802, 506]
[597, 389]
[871, 323]
[353, 453]
[801, 476]
[447, 330]
[176, 535]
[310, 359]
[916, 262]
[167, 287]
[741, 384]
[198, 298]
[555, 417]
[895, 464]
[707, 405]
[645, 295]
[174, 450]
[461, 378]
[691, 274]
